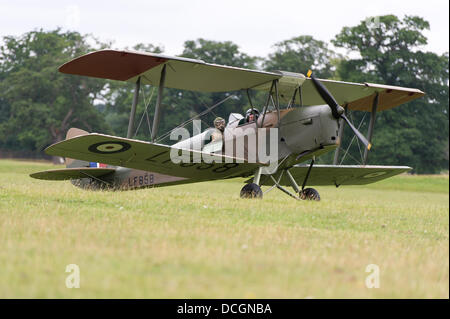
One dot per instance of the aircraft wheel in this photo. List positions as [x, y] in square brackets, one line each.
[251, 190]
[309, 194]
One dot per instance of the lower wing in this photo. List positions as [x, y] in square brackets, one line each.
[146, 156]
[338, 174]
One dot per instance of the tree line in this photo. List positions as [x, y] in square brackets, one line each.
[38, 104]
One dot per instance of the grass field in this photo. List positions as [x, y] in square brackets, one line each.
[203, 241]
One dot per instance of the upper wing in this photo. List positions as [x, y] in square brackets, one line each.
[149, 157]
[181, 73]
[197, 75]
[357, 96]
[339, 174]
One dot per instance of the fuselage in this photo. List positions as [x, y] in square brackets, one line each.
[301, 133]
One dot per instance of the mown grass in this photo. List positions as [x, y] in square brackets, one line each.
[203, 241]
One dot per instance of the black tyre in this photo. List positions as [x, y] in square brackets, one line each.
[310, 194]
[251, 190]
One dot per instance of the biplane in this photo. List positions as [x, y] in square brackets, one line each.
[308, 115]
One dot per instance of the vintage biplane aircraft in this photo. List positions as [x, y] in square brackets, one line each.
[308, 113]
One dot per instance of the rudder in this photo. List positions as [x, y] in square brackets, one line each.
[70, 162]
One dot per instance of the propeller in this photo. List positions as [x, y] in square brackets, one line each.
[336, 109]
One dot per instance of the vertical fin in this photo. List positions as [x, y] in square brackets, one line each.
[72, 132]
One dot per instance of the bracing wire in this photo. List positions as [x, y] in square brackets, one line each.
[145, 112]
[351, 142]
[194, 117]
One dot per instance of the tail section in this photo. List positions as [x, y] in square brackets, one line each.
[73, 173]
[70, 162]
[81, 173]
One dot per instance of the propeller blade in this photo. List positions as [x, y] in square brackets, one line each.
[326, 95]
[357, 133]
[334, 106]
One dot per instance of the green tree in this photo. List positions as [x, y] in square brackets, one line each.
[224, 53]
[302, 53]
[389, 52]
[38, 104]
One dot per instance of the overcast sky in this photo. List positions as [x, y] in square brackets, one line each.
[254, 25]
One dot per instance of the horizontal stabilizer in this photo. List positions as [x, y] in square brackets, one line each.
[322, 175]
[72, 173]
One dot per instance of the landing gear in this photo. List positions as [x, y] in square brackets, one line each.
[309, 194]
[301, 193]
[251, 190]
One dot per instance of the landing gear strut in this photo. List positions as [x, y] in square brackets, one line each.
[309, 193]
[301, 193]
[253, 190]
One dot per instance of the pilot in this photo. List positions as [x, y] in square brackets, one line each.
[219, 127]
[250, 116]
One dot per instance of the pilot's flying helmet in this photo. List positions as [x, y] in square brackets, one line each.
[252, 111]
[218, 122]
[249, 112]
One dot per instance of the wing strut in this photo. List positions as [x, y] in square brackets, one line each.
[371, 126]
[157, 116]
[273, 89]
[133, 108]
[266, 105]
